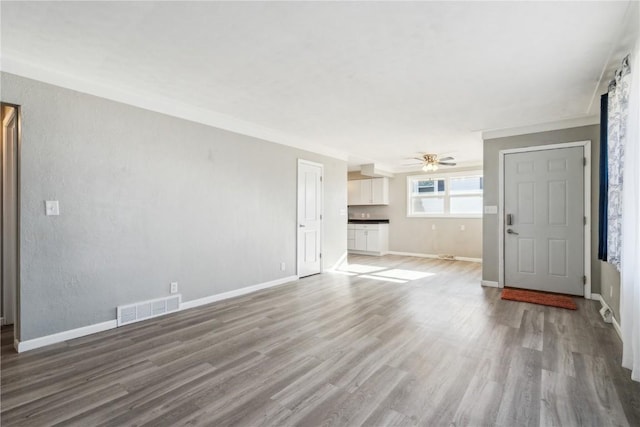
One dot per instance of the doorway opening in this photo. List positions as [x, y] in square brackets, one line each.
[9, 223]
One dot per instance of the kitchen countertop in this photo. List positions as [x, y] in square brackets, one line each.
[368, 221]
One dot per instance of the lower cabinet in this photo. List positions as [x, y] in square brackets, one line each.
[368, 239]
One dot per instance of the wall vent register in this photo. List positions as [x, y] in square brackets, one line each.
[136, 312]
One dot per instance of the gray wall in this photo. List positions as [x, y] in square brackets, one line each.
[490, 222]
[415, 235]
[146, 199]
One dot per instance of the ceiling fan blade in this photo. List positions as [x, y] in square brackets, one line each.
[418, 158]
[446, 164]
[412, 164]
[444, 159]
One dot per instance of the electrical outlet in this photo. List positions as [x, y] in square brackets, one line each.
[462, 228]
[283, 266]
[433, 226]
[174, 287]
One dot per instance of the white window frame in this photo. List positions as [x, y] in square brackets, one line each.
[447, 196]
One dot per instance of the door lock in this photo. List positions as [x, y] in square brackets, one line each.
[510, 231]
[509, 219]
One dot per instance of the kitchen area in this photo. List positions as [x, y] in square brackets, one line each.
[368, 226]
[381, 221]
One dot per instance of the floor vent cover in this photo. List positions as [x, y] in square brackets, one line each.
[147, 309]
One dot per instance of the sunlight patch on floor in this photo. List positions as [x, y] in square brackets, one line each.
[360, 268]
[393, 275]
[404, 274]
[384, 279]
[344, 273]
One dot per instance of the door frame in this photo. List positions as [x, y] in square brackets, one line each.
[18, 154]
[587, 205]
[321, 166]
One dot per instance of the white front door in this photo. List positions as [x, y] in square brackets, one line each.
[309, 218]
[543, 225]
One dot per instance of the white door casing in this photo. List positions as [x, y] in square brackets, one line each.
[543, 222]
[309, 218]
[9, 240]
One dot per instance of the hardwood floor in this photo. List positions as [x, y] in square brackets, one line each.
[405, 341]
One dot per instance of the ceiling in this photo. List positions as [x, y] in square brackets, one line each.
[365, 81]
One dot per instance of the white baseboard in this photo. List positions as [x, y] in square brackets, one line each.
[597, 297]
[339, 262]
[419, 255]
[614, 322]
[236, 293]
[22, 346]
[64, 336]
[370, 253]
[490, 284]
[616, 326]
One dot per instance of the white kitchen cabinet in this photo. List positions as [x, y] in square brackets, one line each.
[351, 236]
[369, 239]
[374, 191]
[380, 191]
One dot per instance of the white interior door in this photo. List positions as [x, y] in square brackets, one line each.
[544, 214]
[9, 185]
[309, 218]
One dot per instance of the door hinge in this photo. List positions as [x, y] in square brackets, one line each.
[585, 220]
[320, 255]
[584, 280]
[584, 161]
[321, 179]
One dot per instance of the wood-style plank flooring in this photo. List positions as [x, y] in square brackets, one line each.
[389, 341]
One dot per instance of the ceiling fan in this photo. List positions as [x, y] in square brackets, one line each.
[430, 162]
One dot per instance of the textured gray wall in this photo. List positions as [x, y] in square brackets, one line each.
[490, 222]
[415, 234]
[146, 199]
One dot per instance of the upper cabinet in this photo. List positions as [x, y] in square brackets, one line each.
[374, 191]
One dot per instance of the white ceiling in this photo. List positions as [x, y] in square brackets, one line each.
[373, 81]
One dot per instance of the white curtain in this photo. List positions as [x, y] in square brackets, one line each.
[618, 113]
[629, 262]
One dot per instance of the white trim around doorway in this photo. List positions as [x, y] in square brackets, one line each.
[587, 206]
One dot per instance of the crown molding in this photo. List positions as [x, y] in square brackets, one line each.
[163, 105]
[541, 127]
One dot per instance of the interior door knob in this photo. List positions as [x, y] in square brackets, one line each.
[510, 231]
[301, 225]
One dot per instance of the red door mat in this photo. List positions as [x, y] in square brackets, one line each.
[541, 298]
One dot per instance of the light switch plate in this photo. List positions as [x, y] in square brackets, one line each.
[491, 209]
[52, 207]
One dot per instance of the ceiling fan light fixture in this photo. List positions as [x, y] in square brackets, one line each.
[430, 167]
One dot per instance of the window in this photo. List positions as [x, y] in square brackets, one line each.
[455, 194]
